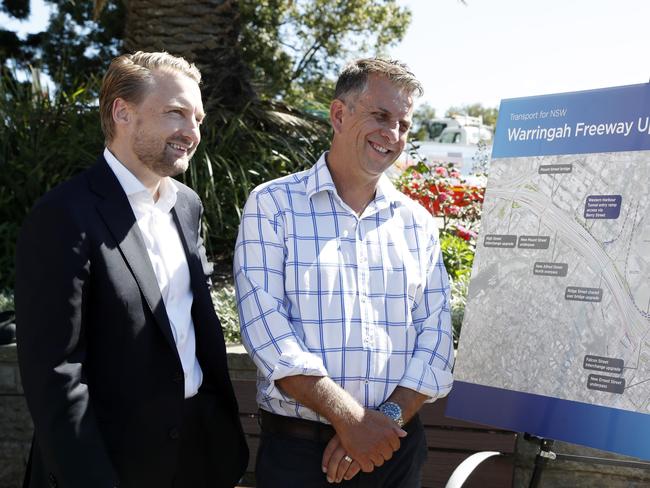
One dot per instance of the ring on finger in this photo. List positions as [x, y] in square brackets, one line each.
[347, 458]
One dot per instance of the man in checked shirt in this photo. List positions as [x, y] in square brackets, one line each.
[344, 301]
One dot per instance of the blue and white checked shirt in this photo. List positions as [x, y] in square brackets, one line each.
[323, 292]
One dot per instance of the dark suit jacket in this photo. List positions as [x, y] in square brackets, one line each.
[99, 365]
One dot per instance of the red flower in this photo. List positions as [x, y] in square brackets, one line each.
[464, 233]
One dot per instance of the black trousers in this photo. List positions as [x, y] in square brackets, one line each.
[289, 462]
[204, 443]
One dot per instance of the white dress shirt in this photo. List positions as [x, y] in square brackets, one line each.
[325, 292]
[168, 261]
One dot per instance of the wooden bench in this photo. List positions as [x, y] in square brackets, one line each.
[450, 442]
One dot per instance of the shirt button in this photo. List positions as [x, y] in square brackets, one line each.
[174, 433]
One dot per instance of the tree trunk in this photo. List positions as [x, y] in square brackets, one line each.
[205, 32]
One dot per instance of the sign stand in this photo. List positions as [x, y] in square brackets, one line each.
[545, 454]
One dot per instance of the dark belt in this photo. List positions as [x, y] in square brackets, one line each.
[310, 430]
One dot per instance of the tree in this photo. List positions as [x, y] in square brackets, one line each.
[278, 49]
[489, 114]
[205, 32]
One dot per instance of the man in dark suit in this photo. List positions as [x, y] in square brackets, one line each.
[122, 357]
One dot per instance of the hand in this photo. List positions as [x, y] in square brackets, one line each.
[335, 465]
[370, 438]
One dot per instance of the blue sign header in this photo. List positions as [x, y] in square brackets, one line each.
[605, 120]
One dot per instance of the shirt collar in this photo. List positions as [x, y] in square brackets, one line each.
[319, 179]
[132, 186]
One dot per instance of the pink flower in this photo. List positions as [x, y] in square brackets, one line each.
[439, 170]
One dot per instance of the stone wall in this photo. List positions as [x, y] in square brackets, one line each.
[16, 432]
[15, 423]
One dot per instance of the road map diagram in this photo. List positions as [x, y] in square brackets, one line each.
[559, 301]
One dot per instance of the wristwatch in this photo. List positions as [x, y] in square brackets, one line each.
[393, 411]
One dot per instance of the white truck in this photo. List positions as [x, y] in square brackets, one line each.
[462, 140]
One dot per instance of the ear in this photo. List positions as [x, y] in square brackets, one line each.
[121, 112]
[337, 112]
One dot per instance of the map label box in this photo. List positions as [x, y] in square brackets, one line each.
[550, 269]
[604, 364]
[534, 242]
[603, 206]
[500, 240]
[555, 169]
[609, 384]
[583, 294]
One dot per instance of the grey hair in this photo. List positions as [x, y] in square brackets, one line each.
[354, 77]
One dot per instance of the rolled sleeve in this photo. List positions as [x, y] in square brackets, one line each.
[267, 334]
[429, 368]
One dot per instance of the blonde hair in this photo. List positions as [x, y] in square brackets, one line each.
[354, 77]
[129, 75]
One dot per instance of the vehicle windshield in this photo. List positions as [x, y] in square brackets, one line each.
[435, 129]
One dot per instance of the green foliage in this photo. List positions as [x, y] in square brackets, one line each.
[241, 151]
[6, 301]
[457, 254]
[489, 114]
[75, 47]
[225, 304]
[294, 47]
[43, 142]
[291, 47]
[459, 290]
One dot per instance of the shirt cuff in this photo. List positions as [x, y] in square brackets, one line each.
[294, 364]
[426, 379]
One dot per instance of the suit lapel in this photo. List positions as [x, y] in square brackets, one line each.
[187, 228]
[118, 216]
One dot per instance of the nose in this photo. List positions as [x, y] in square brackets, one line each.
[192, 131]
[391, 133]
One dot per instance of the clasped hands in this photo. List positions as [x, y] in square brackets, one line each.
[368, 442]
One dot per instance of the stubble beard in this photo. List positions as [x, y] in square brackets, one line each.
[158, 157]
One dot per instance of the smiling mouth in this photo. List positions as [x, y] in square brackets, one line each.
[380, 149]
[179, 147]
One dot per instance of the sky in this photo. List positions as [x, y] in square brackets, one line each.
[488, 50]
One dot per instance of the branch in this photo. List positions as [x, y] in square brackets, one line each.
[306, 59]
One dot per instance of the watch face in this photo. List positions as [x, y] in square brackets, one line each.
[392, 410]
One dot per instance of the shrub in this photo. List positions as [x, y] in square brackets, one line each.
[6, 301]
[459, 289]
[241, 151]
[44, 141]
[225, 304]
